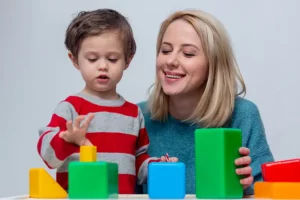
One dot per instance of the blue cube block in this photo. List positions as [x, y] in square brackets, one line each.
[166, 180]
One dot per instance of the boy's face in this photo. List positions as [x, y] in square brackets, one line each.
[101, 61]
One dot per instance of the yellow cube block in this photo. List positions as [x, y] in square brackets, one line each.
[88, 154]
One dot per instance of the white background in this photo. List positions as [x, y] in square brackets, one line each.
[36, 73]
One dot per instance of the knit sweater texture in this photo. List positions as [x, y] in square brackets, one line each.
[177, 139]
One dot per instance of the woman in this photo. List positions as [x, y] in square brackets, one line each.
[197, 86]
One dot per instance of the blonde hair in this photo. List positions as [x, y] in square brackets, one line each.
[217, 101]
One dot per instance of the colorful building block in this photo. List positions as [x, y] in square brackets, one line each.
[281, 171]
[166, 180]
[277, 190]
[215, 152]
[93, 180]
[43, 186]
[88, 154]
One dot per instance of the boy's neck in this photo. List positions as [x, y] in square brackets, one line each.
[107, 95]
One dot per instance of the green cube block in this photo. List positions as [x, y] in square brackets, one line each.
[91, 180]
[215, 152]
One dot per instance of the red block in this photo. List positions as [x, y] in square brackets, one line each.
[281, 171]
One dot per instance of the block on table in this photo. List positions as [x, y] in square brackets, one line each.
[277, 190]
[166, 180]
[215, 152]
[281, 171]
[43, 186]
[93, 180]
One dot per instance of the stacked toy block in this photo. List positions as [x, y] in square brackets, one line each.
[166, 180]
[216, 150]
[89, 178]
[281, 180]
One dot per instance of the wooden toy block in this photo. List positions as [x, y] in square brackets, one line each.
[281, 171]
[166, 180]
[93, 180]
[43, 186]
[215, 152]
[88, 154]
[277, 190]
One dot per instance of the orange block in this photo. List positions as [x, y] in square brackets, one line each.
[277, 190]
[42, 185]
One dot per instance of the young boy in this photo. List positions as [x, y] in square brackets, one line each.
[101, 46]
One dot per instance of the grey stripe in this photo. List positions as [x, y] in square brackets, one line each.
[141, 150]
[47, 152]
[66, 110]
[143, 172]
[114, 122]
[101, 102]
[126, 162]
[141, 118]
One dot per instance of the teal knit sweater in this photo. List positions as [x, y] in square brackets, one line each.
[177, 139]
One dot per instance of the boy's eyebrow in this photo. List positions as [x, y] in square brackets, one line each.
[184, 45]
[95, 53]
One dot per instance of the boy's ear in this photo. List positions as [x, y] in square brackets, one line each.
[128, 62]
[74, 60]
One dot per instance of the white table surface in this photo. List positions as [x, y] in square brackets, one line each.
[121, 196]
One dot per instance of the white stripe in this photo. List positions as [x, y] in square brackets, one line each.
[126, 162]
[114, 122]
[47, 152]
[143, 171]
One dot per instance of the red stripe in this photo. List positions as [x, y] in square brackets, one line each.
[143, 139]
[113, 142]
[57, 121]
[62, 179]
[84, 107]
[62, 148]
[126, 182]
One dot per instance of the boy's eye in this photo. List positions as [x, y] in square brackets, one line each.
[92, 60]
[112, 60]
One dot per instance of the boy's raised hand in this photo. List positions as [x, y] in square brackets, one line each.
[75, 133]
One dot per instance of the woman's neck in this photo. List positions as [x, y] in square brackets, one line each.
[181, 107]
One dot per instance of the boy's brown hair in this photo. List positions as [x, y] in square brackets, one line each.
[96, 22]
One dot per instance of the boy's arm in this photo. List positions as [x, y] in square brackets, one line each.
[53, 149]
[142, 158]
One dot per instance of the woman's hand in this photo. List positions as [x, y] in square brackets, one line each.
[246, 170]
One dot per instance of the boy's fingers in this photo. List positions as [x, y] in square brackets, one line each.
[244, 171]
[247, 181]
[88, 120]
[163, 159]
[78, 120]
[174, 159]
[69, 126]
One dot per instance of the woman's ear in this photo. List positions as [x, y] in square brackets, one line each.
[73, 60]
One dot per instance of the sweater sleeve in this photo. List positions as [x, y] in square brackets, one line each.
[142, 157]
[53, 149]
[257, 143]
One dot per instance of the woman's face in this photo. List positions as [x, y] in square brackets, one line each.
[181, 65]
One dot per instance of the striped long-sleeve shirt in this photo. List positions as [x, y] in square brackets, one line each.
[117, 130]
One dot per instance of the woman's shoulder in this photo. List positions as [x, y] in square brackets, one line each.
[245, 106]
